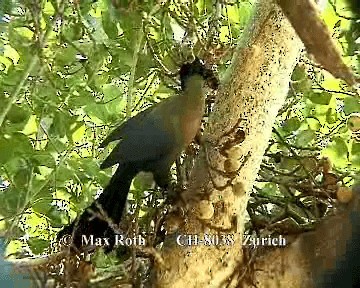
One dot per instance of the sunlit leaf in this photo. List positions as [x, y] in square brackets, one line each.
[351, 105]
[337, 151]
[38, 245]
[320, 98]
[291, 124]
[305, 137]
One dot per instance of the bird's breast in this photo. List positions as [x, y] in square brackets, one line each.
[190, 125]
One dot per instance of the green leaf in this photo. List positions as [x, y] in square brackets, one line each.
[299, 73]
[82, 98]
[355, 154]
[22, 177]
[314, 123]
[56, 145]
[337, 151]
[56, 217]
[125, 57]
[331, 116]
[111, 91]
[64, 173]
[63, 125]
[100, 80]
[14, 146]
[109, 26]
[80, 169]
[18, 114]
[269, 189]
[322, 98]
[43, 158]
[339, 146]
[6, 150]
[5, 7]
[38, 245]
[143, 66]
[42, 206]
[233, 14]
[245, 11]
[305, 137]
[66, 56]
[89, 166]
[291, 124]
[137, 196]
[351, 105]
[99, 111]
[143, 181]
[12, 200]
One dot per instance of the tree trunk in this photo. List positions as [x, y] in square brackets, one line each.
[238, 133]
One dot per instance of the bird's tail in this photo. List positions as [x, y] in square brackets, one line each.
[98, 220]
[114, 196]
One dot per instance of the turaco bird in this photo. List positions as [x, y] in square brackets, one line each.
[150, 142]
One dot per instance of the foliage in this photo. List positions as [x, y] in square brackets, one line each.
[69, 72]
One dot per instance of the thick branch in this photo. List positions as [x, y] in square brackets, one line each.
[254, 90]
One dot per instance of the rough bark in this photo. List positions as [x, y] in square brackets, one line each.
[253, 91]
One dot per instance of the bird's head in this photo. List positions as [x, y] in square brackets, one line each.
[197, 67]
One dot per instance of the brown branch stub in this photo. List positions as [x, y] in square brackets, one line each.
[304, 16]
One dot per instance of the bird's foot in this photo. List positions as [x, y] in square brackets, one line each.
[172, 193]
